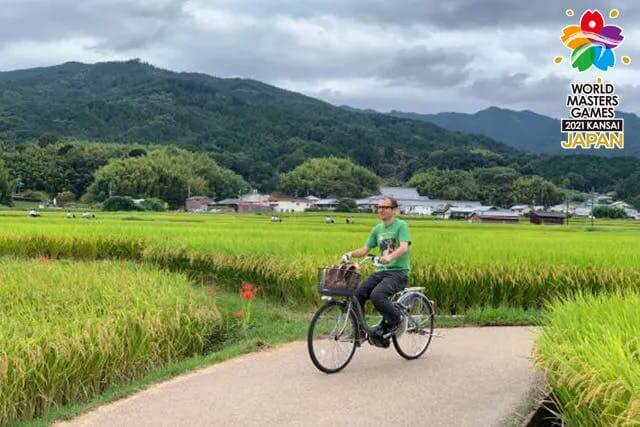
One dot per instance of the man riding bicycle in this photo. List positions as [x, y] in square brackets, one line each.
[392, 272]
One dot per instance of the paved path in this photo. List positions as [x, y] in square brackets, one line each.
[470, 377]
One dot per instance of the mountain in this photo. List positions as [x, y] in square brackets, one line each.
[254, 128]
[524, 130]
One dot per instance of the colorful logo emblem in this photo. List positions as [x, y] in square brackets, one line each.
[592, 42]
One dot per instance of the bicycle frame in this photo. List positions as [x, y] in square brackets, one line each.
[352, 301]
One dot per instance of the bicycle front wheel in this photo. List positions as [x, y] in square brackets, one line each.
[416, 338]
[332, 337]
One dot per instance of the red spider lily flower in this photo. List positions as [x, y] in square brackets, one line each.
[247, 291]
[591, 21]
[238, 314]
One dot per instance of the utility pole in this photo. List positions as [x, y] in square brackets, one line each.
[592, 205]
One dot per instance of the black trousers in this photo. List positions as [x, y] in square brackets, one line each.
[379, 287]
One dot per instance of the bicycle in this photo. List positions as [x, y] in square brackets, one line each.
[338, 327]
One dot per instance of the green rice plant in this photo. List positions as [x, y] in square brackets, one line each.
[589, 351]
[461, 265]
[69, 329]
[77, 247]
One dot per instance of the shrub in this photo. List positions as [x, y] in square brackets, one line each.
[119, 203]
[608, 212]
[347, 205]
[152, 204]
[34, 196]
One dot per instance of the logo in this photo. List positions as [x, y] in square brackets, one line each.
[592, 42]
[592, 105]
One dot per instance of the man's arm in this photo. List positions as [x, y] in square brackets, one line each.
[395, 254]
[360, 252]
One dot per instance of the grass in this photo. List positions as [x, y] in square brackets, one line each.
[590, 353]
[68, 330]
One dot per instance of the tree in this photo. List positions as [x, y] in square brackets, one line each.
[65, 198]
[329, 176]
[346, 204]
[496, 185]
[6, 185]
[629, 187]
[575, 181]
[134, 177]
[608, 212]
[119, 203]
[169, 174]
[446, 184]
[528, 189]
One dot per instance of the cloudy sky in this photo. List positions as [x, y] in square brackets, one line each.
[408, 55]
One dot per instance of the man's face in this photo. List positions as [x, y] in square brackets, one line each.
[386, 211]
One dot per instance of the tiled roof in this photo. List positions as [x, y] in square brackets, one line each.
[400, 192]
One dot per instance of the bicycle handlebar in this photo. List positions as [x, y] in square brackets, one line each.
[370, 258]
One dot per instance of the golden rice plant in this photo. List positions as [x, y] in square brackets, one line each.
[589, 351]
[455, 286]
[70, 329]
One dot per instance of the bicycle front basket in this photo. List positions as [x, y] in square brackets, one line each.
[341, 280]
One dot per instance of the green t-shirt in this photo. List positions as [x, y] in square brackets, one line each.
[388, 239]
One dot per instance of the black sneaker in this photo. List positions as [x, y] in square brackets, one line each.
[379, 340]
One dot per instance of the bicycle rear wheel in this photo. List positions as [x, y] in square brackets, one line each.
[332, 337]
[416, 338]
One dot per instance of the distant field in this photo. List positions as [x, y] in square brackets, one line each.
[306, 239]
[462, 265]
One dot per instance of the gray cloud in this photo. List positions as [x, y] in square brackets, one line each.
[422, 66]
[410, 55]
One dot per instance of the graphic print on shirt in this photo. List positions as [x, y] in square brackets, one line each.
[387, 243]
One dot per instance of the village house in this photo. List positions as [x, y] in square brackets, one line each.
[495, 216]
[282, 203]
[198, 203]
[524, 210]
[325, 204]
[548, 218]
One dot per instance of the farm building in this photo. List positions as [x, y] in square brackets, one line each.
[525, 209]
[495, 216]
[464, 211]
[289, 204]
[238, 205]
[198, 203]
[455, 212]
[542, 218]
[325, 204]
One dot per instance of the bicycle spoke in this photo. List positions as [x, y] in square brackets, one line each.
[417, 336]
[333, 339]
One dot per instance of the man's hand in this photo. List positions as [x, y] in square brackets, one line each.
[385, 259]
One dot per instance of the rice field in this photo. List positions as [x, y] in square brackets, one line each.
[462, 265]
[307, 237]
[590, 353]
[83, 313]
[70, 329]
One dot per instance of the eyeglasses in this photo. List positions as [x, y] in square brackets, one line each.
[386, 207]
